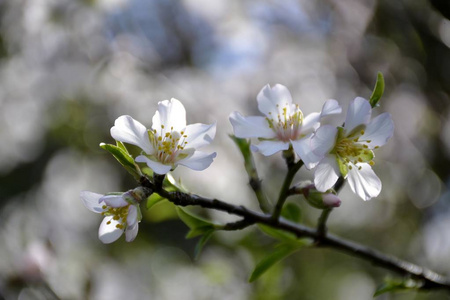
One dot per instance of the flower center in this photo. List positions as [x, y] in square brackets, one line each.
[168, 145]
[352, 150]
[286, 125]
[119, 214]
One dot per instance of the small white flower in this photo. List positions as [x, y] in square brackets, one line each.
[170, 142]
[282, 125]
[347, 150]
[122, 214]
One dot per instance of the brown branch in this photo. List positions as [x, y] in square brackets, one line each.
[430, 279]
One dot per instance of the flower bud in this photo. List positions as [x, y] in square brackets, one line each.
[331, 200]
[318, 199]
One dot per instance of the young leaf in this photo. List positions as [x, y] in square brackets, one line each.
[292, 212]
[194, 232]
[154, 199]
[202, 242]
[282, 251]
[378, 90]
[391, 285]
[277, 233]
[123, 158]
[197, 225]
[243, 145]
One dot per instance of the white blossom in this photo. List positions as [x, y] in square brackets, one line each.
[170, 142]
[348, 151]
[121, 211]
[283, 124]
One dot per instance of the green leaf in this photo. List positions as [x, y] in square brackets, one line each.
[378, 90]
[123, 158]
[194, 232]
[197, 225]
[202, 242]
[392, 285]
[291, 212]
[154, 199]
[281, 251]
[277, 233]
[122, 146]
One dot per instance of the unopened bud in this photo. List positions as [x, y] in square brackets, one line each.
[321, 200]
[331, 200]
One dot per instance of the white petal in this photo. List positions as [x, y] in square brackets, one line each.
[157, 167]
[91, 201]
[114, 200]
[132, 215]
[108, 233]
[326, 174]
[358, 113]
[379, 130]
[199, 135]
[268, 148]
[170, 114]
[330, 107]
[131, 232]
[310, 122]
[128, 130]
[252, 126]
[303, 149]
[323, 140]
[198, 161]
[365, 183]
[271, 100]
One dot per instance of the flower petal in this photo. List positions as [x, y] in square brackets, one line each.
[132, 215]
[323, 141]
[271, 100]
[364, 182]
[252, 126]
[128, 130]
[108, 233]
[91, 201]
[199, 135]
[268, 148]
[326, 174]
[358, 114]
[379, 130]
[157, 167]
[170, 114]
[330, 107]
[303, 149]
[198, 161]
[131, 232]
[114, 200]
[310, 122]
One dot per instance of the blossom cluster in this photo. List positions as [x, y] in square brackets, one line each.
[331, 151]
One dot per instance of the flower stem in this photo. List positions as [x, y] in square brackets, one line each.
[284, 192]
[250, 167]
[322, 224]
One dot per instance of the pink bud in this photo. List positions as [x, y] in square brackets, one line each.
[331, 200]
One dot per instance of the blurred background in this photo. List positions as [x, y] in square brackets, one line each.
[69, 68]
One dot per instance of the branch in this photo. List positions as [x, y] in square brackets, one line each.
[430, 279]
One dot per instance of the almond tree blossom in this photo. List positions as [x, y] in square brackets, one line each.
[283, 124]
[347, 151]
[170, 142]
[122, 214]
